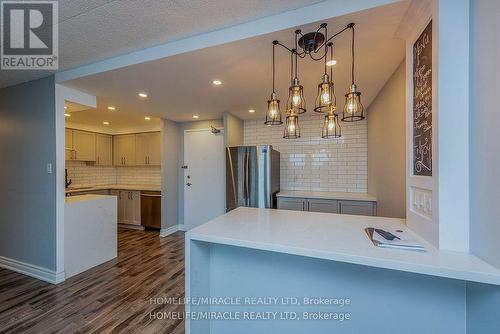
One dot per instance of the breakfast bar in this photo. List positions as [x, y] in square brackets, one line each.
[294, 257]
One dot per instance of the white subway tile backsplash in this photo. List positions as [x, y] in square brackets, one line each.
[311, 163]
[82, 174]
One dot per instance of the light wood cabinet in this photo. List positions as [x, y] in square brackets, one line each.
[80, 145]
[147, 149]
[124, 150]
[129, 206]
[347, 207]
[104, 150]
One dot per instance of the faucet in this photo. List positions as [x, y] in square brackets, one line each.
[68, 183]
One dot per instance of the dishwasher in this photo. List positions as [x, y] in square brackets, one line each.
[151, 209]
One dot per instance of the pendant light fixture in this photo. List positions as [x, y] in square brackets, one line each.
[312, 44]
[292, 128]
[296, 104]
[326, 94]
[331, 126]
[353, 109]
[273, 114]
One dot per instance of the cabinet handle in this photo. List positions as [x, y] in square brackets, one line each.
[145, 160]
[98, 160]
[148, 160]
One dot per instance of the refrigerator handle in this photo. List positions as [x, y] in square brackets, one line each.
[246, 180]
[233, 181]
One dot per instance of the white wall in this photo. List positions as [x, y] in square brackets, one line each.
[28, 196]
[315, 164]
[387, 146]
[446, 222]
[484, 126]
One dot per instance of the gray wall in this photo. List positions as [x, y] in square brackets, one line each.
[233, 130]
[170, 165]
[28, 196]
[483, 301]
[387, 146]
[484, 127]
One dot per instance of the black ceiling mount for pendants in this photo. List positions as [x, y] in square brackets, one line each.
[316, 45]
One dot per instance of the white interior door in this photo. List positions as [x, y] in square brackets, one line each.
[204, 179]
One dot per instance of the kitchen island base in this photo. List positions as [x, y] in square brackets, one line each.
[269, 292]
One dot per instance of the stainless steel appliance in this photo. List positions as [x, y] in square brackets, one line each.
[252, 176]
[151, 209]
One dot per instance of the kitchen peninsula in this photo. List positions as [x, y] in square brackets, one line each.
[305, 254]
[90, 232]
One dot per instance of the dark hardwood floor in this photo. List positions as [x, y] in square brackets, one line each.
[114, 297]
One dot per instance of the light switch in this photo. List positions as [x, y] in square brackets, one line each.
[49, 168]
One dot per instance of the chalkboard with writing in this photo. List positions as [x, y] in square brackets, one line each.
[422, 103]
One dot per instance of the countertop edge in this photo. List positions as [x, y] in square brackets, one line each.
[416, 268]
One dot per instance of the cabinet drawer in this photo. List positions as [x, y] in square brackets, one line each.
[357, 208]
[323, 205]
[297, 204]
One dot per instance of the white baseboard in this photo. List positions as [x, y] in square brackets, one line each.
[164, 232]
[132, 227]
[40, 273]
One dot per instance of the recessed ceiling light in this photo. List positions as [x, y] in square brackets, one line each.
[105, 123]
[67, 115]
[251, 111]
[331, 62]
[217, 82]
[111, 108]
[196, 116]
[147, 118]
[142, 95]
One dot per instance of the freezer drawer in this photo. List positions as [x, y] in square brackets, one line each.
[151, 209]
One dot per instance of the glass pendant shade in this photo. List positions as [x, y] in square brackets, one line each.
[273, 114]
[296, 103]
[292, 129]
[331, 126]
[326, 96]
[353, 109]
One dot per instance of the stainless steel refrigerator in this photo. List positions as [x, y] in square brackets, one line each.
[252, 176]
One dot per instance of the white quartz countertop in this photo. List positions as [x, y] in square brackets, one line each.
[83, 198]
[339, 238]
[327, 195]
[138, 187]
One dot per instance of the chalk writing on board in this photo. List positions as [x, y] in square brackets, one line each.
[422, 103]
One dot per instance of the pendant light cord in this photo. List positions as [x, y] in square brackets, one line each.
[274, 46]
[352, 53]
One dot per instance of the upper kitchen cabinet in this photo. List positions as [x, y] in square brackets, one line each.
[147, 149]
[124, 150]
[80, 145]
[104, 150]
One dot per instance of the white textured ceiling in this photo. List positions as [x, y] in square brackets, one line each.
[180, 86]
[92, 30]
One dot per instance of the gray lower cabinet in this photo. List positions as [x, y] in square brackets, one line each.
[322, 205]
[358, 208]
[296, 204]
[362, 208]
